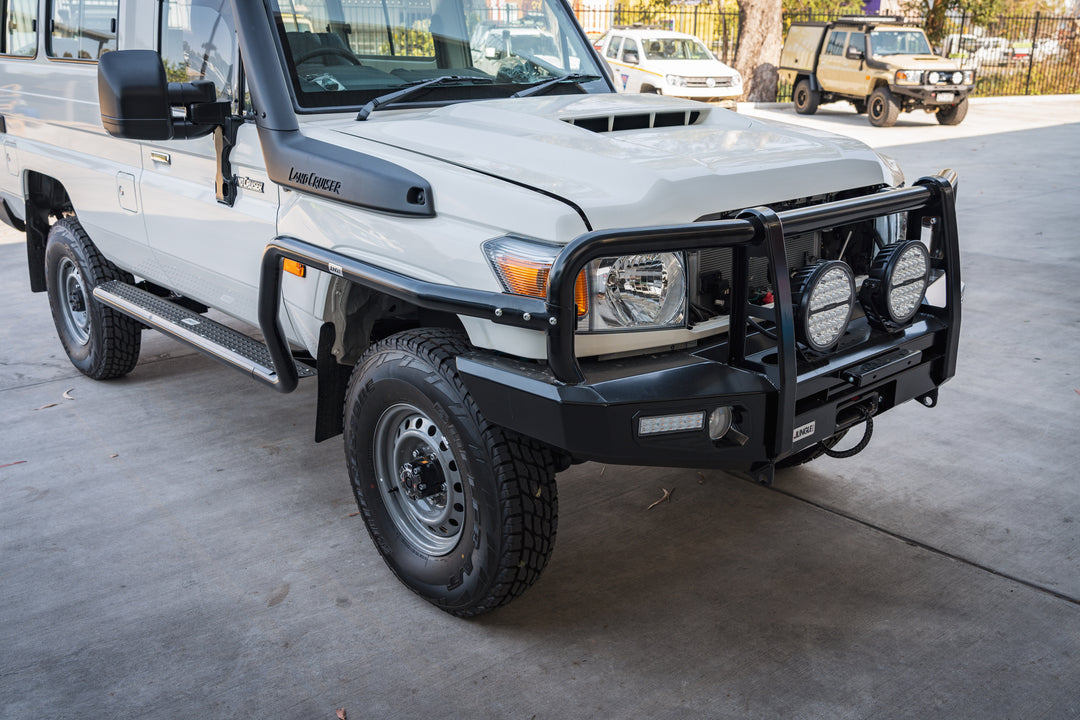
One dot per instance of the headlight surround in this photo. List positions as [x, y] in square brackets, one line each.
[675, 80]
[893, 292]
[823, 295]
[638, 292]
[909, 77]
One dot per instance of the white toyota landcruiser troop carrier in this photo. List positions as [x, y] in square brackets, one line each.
[490, 274]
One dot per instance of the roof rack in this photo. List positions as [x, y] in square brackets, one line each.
[871, 18]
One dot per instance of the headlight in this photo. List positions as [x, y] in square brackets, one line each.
[909, 77]
[969, 77]
[631, 292]
[638, 292]
[736, 79]
[893, 292]
[823, 295]
[957, 77]
[676, 80]
[933, 78]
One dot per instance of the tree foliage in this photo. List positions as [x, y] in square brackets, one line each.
[936, 13]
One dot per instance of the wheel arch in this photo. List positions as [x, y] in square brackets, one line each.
[354, 318]
[46, 197]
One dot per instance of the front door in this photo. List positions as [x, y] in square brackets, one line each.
[210, 251]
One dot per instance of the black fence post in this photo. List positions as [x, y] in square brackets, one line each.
[1031, 56]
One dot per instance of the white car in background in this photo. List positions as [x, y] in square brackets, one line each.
[665, 62]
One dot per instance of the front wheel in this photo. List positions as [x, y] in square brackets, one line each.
[462, 511]
[953, 114]
[882, 108]
[100, 342]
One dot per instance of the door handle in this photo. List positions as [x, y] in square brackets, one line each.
[161, 157]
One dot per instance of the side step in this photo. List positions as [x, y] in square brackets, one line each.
[205, 335]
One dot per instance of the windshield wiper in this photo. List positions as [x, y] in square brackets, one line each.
[415, 88]
[543, 87]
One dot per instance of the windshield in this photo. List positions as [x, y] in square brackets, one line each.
[344, 53]
[899, 42]
[675, 49]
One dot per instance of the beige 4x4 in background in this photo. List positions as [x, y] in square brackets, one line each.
[878, 64]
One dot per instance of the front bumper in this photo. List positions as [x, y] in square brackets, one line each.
[932, 94]
[782, 403]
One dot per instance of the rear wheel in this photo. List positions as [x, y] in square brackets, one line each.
[953, 114]
[463, 512]
[100, 342]
[883, 109]
[806, 100]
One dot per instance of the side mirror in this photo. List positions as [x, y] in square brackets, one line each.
[854, 53]
[136, 99]
[631, 56]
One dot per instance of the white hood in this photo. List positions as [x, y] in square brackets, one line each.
[633, 177]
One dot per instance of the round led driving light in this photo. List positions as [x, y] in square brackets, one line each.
[934, 78]
[957, 77]
[893, 292]
[823, 295]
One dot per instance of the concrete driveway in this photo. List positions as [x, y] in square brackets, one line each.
[173, 544]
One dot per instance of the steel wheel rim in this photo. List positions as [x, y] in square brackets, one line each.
[800, 98]
[876, 107]
[73, 302]
[403, 435]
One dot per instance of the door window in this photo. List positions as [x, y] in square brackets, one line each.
[20, 33]
[858, 41]
[82, 29]
[198, 42]
[613, 47]
[836, 43]
[629, 45]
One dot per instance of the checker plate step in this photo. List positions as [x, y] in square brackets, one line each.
[223, 343]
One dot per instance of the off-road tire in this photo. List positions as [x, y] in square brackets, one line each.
[882, 108]
[805, 99]
[100, 342]
[504, 483]
[953, 114]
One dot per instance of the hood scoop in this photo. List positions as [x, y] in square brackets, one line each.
[637, 121]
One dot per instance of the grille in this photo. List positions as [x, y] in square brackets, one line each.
[800, 248]
[720, 82]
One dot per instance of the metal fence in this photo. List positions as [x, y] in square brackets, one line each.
[1013, 55]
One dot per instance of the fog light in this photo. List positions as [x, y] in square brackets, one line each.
[893, 292]
[670, 423]
[720, 422]
[823, 295]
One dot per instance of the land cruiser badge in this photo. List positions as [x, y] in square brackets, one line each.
[246, 183]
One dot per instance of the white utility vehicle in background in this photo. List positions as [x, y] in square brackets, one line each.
[665, 62]
[490, 272]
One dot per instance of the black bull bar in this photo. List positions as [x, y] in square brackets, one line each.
[755, 232]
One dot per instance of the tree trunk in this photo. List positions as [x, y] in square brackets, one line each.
[758, 52]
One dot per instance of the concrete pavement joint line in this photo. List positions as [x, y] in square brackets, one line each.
[930, 548]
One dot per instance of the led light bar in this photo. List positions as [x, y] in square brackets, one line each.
[671, 423]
